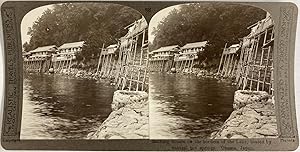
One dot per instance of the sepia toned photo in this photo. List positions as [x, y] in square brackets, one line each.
[149, 75]
[83, 72]
[211, 72]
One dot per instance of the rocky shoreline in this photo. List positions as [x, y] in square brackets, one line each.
[253, 117]
[128, 119]
[79, 73]
[202, 73]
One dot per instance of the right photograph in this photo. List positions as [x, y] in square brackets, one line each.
[211, 72]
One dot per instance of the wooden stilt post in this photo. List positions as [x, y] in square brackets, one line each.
[272, 80]
[28, 66]
[32, 66]
[146, 71]
[109, 65]
[99, 61]
[193, 64]
[266, 67]
[133, 62]
[256, 42]
[239, 65]
[114, 67]
[224, 65]
[41, 66]
[259, 71]
[231, 65]
[234, 66]
[103, 65]
[221, 59]
[59, 66]
[249, 60]
[228, 65]
[180, 68]
[139, 68]
[127, 62]
[70, 63]
[119, 67]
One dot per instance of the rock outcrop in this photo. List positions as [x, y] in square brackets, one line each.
[128, 119]
[253, 117]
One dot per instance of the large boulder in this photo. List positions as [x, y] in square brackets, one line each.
[253, 117]
[128, 119]
[131, 99]
[244, 97]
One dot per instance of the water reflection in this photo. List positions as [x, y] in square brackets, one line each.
[184, 106]
[57, 107]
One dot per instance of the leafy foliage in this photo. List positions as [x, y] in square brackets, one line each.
[219, 23]
[94, 23]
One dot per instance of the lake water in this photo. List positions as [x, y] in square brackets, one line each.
[183, 106]
[61, 107]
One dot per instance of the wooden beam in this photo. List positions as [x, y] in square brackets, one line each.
[99, 61]
[221, 59]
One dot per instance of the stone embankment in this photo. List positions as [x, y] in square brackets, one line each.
[128, 119]
[85, 74]
[253, 117]
[78, 73]
[199, 72]
[202, 73]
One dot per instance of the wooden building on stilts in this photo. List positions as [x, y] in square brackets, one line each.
[255, 67]
[131, 67]
[187, 57]
[162, 59]
[65, 56]
[229, 61]
[107, 61]
[39, 59]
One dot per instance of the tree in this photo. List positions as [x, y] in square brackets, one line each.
[26, 47]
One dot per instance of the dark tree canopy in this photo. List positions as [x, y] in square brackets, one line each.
[95, 23]
[219, 23]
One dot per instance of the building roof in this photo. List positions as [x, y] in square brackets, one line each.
[232, 49]
[25, 53]
[166, 48]
[261, 25]
[43, 49]
[112, 46]
[195, 45]
[234, 46]
[71, 45]
[136, 27]
[111, 49]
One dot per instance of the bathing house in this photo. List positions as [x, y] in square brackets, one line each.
[39, 59]
[229, 60]
[162, 59]
[107, 61]
[133, 58]
[188, 55]
[255, 68]
[65, 55]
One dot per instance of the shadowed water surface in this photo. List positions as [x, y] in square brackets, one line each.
[60, 107]
[183, 106]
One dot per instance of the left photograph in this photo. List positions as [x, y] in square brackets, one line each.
[84, 72]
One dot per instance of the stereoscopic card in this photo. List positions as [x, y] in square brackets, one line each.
[149, 75]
